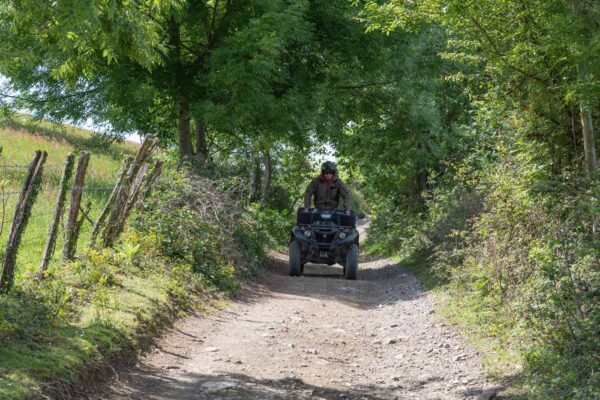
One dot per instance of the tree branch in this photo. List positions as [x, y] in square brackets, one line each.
[499, 54]
[49, 100]
[363, 85]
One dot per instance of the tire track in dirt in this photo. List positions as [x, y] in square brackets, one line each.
[313, 337]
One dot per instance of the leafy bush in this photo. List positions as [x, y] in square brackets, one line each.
[273, 225]
[197, 222]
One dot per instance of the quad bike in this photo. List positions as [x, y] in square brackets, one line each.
[325, 237]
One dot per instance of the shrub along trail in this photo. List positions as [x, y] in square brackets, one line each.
[313, 337]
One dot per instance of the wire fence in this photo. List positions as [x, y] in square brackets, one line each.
[29, 204]
[44, 206]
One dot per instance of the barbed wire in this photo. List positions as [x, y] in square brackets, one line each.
[25, 166]
[6, 222]
[42, 234]
[55, 189]
[59, 168]
[14, 166]
[10, 193]
[95, 191]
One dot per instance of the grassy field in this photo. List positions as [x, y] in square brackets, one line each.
[19, 141]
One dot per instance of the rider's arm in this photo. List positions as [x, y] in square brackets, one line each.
[311, 189]
[345, 192]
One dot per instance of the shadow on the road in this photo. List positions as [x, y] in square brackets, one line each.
[380, 282]
[151, 383]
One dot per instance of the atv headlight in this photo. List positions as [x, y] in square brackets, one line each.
[342, 235]
[307, 233]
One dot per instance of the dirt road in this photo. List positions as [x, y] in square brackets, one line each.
[312, 337]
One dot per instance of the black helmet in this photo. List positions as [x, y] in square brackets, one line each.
[329, 166]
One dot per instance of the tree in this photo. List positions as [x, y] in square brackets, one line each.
[247, 68]
[539, 57]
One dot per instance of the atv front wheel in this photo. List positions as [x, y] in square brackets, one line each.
[295, 263]
[351, 268]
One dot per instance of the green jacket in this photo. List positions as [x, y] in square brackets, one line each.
[327, 197]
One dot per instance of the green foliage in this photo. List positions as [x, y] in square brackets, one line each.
[189, 221]
[518, 252]
[273, 225]
[494, 193]
[76, 38]
[95, 307]
[252, 69]
[458, 121]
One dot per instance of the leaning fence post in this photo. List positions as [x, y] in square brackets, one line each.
[59, 208]
[111, 199]
[112, 225]
[151, 178]
[22, 214]
[137, 186]
[141, 178]
[71, 231]
[139, 190]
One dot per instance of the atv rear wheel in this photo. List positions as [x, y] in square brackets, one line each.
[295, 261]
[351, 268]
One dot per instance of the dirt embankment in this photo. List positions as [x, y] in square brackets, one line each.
[313, 337]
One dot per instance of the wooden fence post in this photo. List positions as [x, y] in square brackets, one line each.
[59, 208]
[111, 231]
[111, 200]
[140, 187]
[151, 178]
[136, 188]
[71, 231]
[22, 214]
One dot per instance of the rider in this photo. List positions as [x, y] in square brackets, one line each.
[327, 189]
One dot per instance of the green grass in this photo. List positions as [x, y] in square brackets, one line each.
[19, 140]
[49, 330]
[46, 351]
[86, 314]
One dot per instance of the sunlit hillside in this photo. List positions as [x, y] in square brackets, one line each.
[19, 140]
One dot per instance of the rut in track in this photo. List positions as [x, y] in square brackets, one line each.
[312, 337]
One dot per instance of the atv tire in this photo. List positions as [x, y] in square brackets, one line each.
[295, 261]
[351, 268]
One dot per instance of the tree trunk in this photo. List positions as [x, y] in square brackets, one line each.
[180, 85]
[266, 184]
[421, 174]
[255, 179]
[421, 182]
[589, 147]
[201, 144]
[183, 115]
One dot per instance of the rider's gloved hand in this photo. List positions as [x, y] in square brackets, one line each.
[348, 212]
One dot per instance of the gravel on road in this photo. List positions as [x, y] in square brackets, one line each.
[318, 336]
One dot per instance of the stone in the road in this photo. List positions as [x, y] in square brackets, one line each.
[211, 387]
